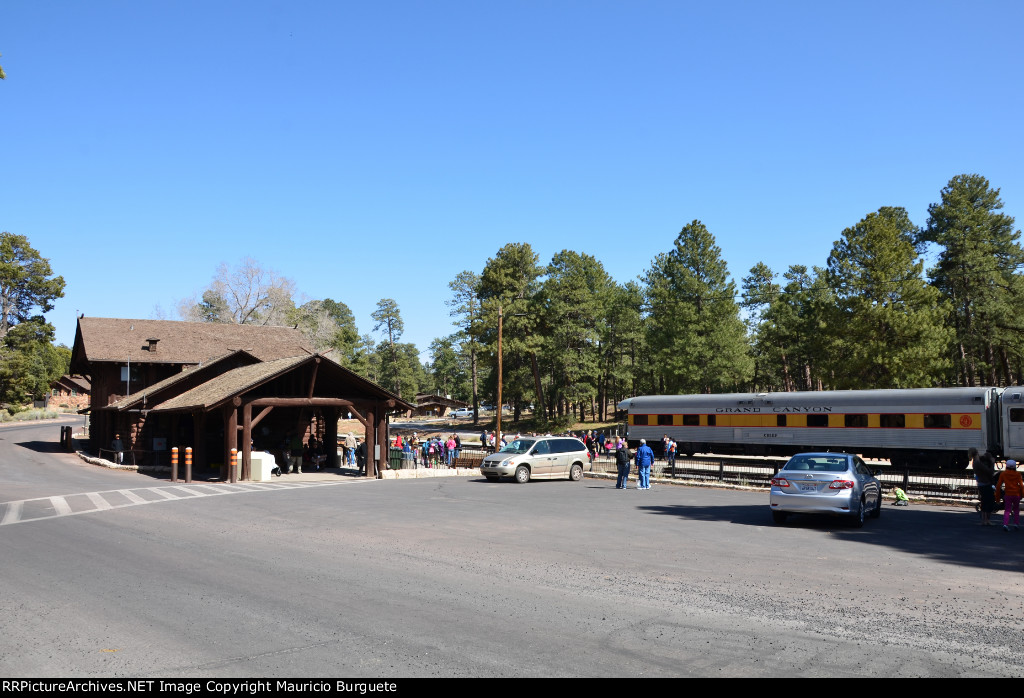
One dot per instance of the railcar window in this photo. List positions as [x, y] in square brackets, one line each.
[640, 419]
[855, 420]
[711, 420]
[664, 420]
[780, 420]
[817, 420]
[1017, 414]
[892, 421]
[691, 420]
[937, 421]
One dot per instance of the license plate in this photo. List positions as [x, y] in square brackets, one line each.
[808, 487]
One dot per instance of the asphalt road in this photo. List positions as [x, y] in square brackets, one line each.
[453, 577]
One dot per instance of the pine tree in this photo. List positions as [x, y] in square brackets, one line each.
[510, 282]
[694, 328]
[575, 296]
[977, 272]
[890, 323]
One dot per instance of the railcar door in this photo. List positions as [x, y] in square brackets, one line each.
[1013, 424]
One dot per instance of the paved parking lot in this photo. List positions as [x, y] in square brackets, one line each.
[462, 577]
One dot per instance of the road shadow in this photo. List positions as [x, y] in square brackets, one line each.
[42, 446]
[941, 533]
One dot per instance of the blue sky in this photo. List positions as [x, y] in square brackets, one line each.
[372, 150]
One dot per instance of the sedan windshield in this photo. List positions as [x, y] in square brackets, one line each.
[818, 464]
[518, 446]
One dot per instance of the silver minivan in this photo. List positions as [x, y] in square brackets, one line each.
[537, 458]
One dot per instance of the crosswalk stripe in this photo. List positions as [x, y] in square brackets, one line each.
[99, 502]
[13, 513]
[60, 505]
[132, 497]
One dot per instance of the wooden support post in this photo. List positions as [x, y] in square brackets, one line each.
[230, 437]
[246, 441]
[382, 440]
[370, 439]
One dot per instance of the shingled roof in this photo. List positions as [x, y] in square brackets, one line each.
[169, 341]
[240, 380]
[143, 397]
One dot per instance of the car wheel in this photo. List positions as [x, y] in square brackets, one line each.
[576, 472]
[779, 517]
[877, 511]
[858, 518]
[522, 474]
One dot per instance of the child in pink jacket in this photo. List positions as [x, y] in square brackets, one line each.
[1011, 480]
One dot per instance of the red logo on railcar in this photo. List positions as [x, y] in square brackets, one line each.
[965, 420]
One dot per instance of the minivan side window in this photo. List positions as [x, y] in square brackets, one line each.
[568, 446]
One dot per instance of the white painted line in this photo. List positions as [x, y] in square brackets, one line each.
[199, 490]
[13, 513]
[99, 502]
[132, 497]
[60, 505]
[162, 491]
[185, 491]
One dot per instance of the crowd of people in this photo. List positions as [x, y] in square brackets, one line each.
[432, 451]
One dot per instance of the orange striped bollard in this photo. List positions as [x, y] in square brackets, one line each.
[233, 473]
[188, 464]
[174, 464]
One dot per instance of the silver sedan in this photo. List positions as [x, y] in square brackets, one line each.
[826, 483]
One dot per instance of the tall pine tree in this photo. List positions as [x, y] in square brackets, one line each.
[695, 332]
[978, 272]
[893, 330]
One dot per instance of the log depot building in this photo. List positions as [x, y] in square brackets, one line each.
[213, 387]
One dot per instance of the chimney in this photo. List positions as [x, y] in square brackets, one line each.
[152, 345]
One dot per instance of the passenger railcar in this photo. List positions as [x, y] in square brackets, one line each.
[924, 427]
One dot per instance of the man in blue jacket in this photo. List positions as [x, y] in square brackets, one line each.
[644, 459]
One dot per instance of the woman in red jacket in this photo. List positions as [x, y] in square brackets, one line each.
[1014, 485]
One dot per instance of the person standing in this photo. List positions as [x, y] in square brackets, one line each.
[1011, 480]
[449, 450]
[591, 444]
[644, 460]
[984, 466]
[350, 448]
[622, 462]
[118, 447]
[360, 451]
[295, 453]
